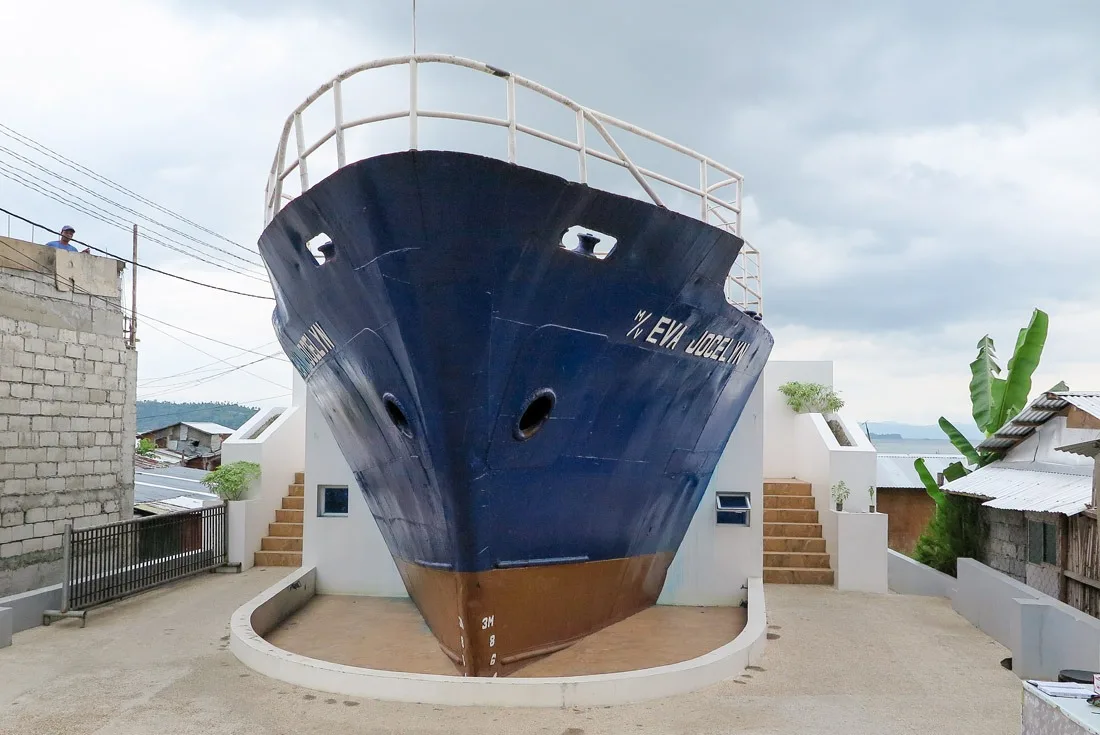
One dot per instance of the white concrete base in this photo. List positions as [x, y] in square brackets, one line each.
[7, 619]
[266, 610]
[861, 545]
[909, 577]
[236, 529]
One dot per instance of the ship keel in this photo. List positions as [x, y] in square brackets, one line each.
[492, 623]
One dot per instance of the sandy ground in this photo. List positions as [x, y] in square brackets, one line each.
[842, 663]
[390, 634]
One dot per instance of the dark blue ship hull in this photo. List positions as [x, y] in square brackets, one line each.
[524, 421]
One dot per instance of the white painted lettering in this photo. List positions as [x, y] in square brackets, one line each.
[492, 640]
[658, 329]
[639, 320]
[719, 348]
[487, 623]
[493, 660]
[675, 340]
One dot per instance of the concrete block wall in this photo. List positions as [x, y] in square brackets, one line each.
[1006, 542]
[67, 420]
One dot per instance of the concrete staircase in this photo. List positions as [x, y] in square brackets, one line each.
[282, 547]
[794, 550]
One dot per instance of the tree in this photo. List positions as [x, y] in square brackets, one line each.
[956, 527]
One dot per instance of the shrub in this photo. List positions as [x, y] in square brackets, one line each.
[231, 481]
[147, 447]
[811, 398]
[955, 531]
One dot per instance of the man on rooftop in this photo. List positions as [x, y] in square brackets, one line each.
[67, 233]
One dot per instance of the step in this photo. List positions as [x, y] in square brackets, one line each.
[296, 516]
[789, 515]
[796, 530]
[805, 502]
[280, 543]
[787, 487]
[278, 559]
[294, 503]
[299, 478]
[788, 545]
[285, 529]
[297, 490]
[796, 560]
[783, 575]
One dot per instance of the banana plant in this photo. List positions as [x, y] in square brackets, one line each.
[994, 400]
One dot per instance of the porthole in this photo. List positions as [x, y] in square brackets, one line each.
[397, 414]
[535, 414]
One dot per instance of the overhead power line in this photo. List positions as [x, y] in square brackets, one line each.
[47, 151]
[139, 265]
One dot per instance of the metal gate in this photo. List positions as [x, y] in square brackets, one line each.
[116, 560]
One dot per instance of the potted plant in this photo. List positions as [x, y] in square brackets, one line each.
[871, 494]
[231, 481]
[817, 398]
[840, 494]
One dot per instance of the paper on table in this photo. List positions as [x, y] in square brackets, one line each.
[1063, 689]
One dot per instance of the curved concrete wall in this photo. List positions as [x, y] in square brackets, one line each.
[266, 610]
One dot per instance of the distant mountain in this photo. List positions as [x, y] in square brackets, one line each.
[155, 414]
[912, 431]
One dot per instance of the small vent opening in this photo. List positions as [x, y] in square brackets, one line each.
[535, 414]
[321, 248]
[588, 242]
[397, 414]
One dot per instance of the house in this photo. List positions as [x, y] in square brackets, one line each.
[199, 442]
[1036, 500]
[901, 495]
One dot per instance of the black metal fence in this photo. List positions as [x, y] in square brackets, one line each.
[112, 561]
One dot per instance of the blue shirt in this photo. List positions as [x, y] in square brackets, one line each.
[61, 246]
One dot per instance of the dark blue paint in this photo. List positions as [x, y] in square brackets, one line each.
[449, 290]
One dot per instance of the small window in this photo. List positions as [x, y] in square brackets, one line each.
[1042, 543]
[332, 500]
[733, 508]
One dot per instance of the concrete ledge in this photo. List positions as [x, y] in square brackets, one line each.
[27, 607]
[6, 618]
[909, 577]
[273, 605]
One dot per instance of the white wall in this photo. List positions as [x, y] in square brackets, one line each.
[280, 452]
[779, 419]
[715, 561]
[1040, 446]
[1044, 635]
[861, 551]
[909, 577]
[349, 553]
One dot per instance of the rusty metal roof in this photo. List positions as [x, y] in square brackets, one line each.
[1045, 407]
[1012, 488]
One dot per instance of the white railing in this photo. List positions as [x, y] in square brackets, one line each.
[718, 188]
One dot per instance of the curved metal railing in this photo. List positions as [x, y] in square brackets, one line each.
[719, 200]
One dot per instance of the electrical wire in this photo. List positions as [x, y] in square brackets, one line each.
[137, 264]
[49, 152]
[20, 176]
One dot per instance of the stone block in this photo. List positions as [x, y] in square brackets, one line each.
[93, 353]
[14, 548]
[21, 423]
[51, 542]
[46, 469]
[36, 485]
[11, 373]
[31, 545]
[43, 361]
[55, 453]
[62, 423]
[19, 533]
[34, 344]
[9, 405]
[59, 526]
[23, 471]
[43, 529]
[35, 515]
[11, 519]
[55, 349]
[22, 390]
[69, 439]
[5, 535]
[64, 364]
[91, 509]
[51, 408]
[3, 423]
[113, 517]
[104, 439]
[41, 423]
[55, 484]
[43, 392]
[55, 379]
[38, 454]
[24, 360]
[74, 352]
[8, 438]
[67, 336]
[12, 342]
[103, 369]
[6, 470]
[104, 411]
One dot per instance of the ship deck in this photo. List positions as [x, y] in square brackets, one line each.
[389, 634]
[841, 663]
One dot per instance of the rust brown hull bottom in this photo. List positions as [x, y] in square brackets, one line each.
[492, 623]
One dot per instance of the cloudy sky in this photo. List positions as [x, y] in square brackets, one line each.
[918, 174]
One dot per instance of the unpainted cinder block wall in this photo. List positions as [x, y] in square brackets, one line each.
[67, 414]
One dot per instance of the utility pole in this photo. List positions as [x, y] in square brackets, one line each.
[133, 295]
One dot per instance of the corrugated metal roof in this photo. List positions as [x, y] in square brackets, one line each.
[897, 471]
[1090, 448]
[1023, 489]
[1045, 407]
[209, 427]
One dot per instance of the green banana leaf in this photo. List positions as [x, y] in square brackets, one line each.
[954, 471]
[982, 372]
[1024, 362]
[961, 443]
[997, 387]
[930, 485]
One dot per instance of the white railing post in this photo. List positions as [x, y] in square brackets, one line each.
[703, 201]
[300, 137]
[413, 137]
[581, 147]
[511, 119]
[338, 103]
